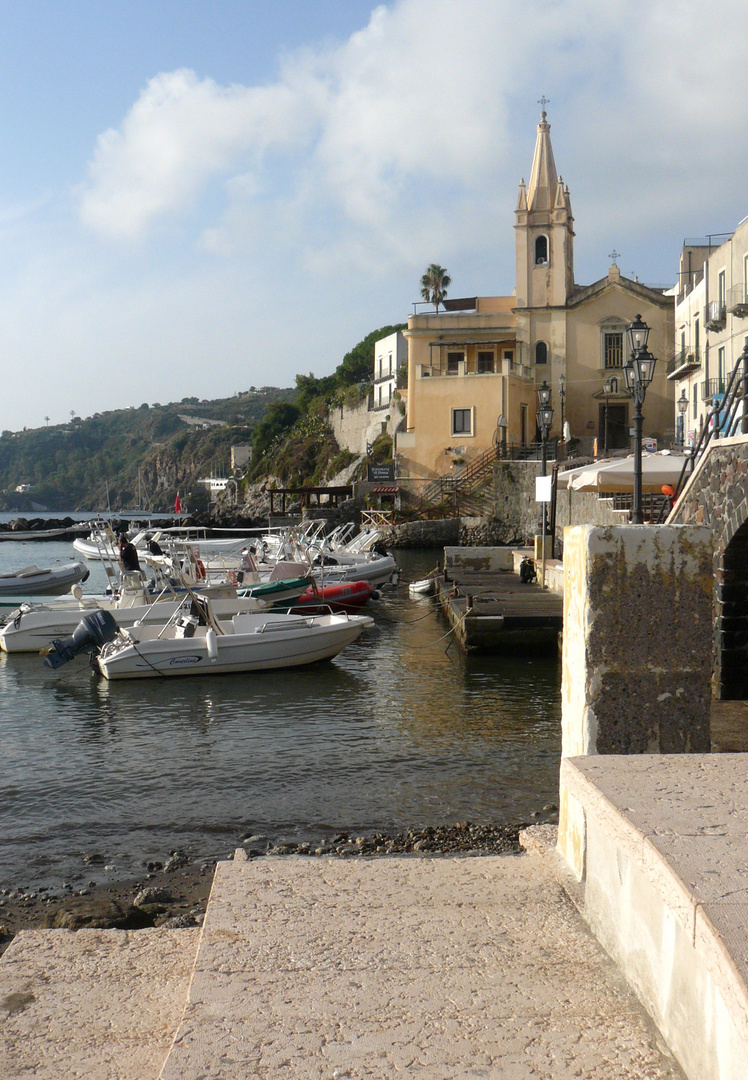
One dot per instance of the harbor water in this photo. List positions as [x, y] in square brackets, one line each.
[400, 730]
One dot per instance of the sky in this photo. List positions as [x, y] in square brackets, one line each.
[200, 197]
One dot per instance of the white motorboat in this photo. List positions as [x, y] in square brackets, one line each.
[29, 627]
[200, 644]
[362, 557]
[372, 567]
[50, 581]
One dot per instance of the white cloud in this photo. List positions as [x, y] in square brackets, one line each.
[293, 217]
[385, 138]
[181, 132]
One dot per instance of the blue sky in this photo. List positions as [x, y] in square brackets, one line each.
[196, 198]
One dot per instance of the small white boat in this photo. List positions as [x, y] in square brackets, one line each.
[42, 534]
[204, 645]
[31, 626]
[50, 581]
[424, 587]
[372, 567]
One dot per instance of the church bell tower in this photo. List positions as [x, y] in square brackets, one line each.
[544, 231]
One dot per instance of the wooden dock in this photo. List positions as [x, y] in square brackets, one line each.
[492, 611]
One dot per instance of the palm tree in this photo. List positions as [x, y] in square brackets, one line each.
[434, 284]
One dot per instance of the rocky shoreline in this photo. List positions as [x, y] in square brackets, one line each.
[176, 892]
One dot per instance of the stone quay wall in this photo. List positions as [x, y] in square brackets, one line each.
[637, 625]
[717, 496]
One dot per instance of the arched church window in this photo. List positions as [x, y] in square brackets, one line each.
[541, 352]
[541, 250]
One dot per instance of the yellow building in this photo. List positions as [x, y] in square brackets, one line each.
[474, 369]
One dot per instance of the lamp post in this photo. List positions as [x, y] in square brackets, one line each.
[607, 390]
[501, 424]
[562, 396]
[544, 418]
[639, 373]
[682, 404]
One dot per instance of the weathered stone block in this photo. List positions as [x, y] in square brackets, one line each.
[637, 645]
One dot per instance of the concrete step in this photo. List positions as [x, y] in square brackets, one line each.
[426, 967]
[99, 1004]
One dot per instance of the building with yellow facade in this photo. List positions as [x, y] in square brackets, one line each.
[475, 368]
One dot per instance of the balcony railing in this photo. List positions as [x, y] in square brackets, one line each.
[715, 315]
[712, 388]
[686, 358]
[737, 301]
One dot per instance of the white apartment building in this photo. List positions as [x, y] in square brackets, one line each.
[711, 323]
[389, 354]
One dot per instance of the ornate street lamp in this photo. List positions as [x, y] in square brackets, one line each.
[638, 373]
[502, 425]
[682, 404]
[562, 396]
[607, 390]
[544, 417]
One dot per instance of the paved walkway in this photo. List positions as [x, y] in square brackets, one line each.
[328, 968]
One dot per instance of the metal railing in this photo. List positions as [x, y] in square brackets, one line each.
[683, 357]
[711, 387]
[727, 416]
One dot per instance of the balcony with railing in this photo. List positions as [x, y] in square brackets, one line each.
[711, 388]
[715, 316]
[737, 301]
[683, 363]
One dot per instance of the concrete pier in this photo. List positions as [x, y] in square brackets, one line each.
[488, 607]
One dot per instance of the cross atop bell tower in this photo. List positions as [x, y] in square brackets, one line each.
[544, 230]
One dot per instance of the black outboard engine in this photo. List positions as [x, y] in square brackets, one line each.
[90, 634]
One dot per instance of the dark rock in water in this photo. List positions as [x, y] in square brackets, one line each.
[152, 895]
[257, 840]
[177, 860]
[97, 914]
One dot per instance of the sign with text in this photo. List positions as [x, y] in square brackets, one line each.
[543, 486]
[379, 474]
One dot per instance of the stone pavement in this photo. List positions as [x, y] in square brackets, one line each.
[433, 967]
[94, 1004]
[440, 967]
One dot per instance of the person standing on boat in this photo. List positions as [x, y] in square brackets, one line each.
[128, 554]
[247, 565]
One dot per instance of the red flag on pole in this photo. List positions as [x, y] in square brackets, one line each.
[177, 505]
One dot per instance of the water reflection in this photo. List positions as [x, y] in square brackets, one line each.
[399, 730]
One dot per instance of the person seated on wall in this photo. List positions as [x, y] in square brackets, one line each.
[128, 554]
[527, 571]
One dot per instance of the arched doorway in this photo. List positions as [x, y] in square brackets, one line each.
[731, 620]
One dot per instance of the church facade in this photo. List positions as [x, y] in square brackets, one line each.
[474, 369]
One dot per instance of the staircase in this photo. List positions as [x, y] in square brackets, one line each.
[321, 968]
[463, 492]
[469, 490]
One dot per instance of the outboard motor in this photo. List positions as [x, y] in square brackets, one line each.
[90, 634]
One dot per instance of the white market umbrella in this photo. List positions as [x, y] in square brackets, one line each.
[565, 476]
[618, 476]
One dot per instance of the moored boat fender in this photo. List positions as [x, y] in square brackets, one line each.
[90, 634]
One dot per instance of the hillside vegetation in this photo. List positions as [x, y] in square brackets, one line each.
[294, 442]
[130, 458]
[139, 458]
